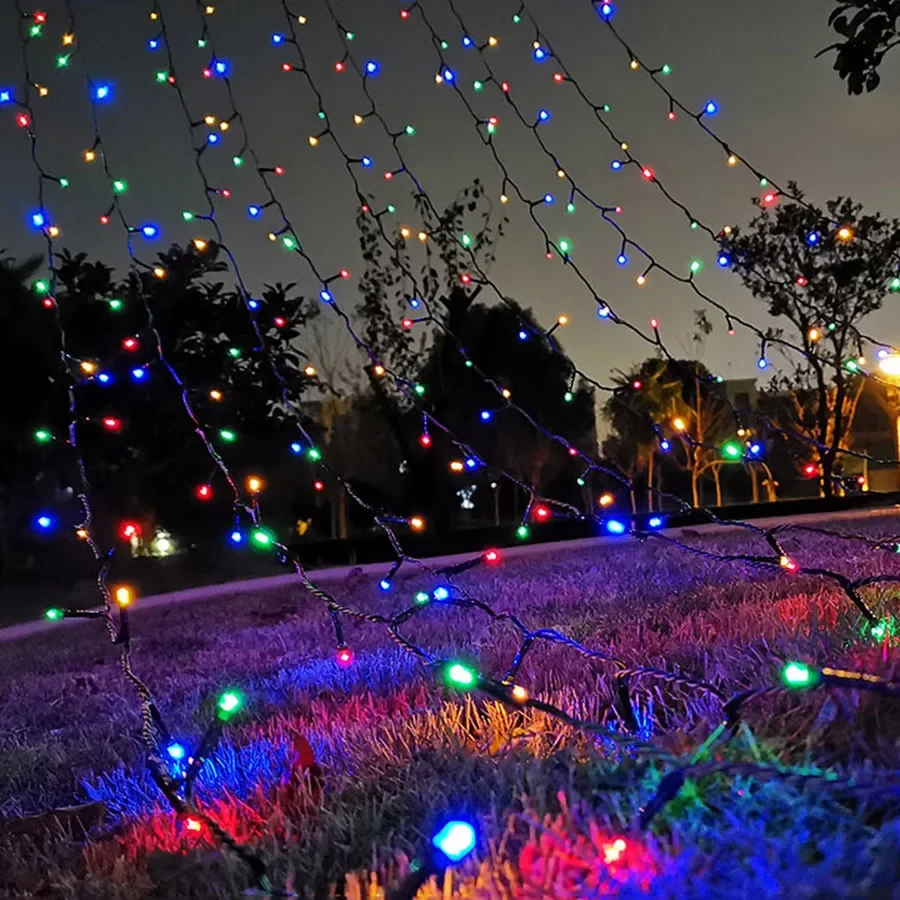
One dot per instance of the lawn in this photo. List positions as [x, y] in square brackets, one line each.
[557, 807]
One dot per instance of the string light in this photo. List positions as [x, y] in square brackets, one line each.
[411, 521]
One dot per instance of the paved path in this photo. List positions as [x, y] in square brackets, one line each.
[326, 576]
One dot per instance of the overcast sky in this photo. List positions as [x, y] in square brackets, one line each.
[779, 107]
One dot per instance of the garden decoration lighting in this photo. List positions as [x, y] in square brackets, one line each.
[220, 434]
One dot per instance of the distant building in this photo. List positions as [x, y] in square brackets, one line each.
[875, 431]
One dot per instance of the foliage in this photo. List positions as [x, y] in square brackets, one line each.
[207, 339]
[647, 401]
[823, 271]
[869, 29]
[454, 394]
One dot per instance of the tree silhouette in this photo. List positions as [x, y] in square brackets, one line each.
[671, 400]
[451, 391]
[869, 31]
[112, 329]
[823, 271]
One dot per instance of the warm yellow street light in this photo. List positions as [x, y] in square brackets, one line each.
[890, 365]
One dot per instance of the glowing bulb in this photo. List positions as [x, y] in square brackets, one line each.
[606, 500]
[254, 484]
[797, 674]
[679, 424]
[229, 703]
[417, 523]
[124, 596]
[845, 233]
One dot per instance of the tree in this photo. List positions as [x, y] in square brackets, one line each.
[869, 29]
[823, 271]
[666, 400]
[32, 358]
[449, 387]
[133, 429]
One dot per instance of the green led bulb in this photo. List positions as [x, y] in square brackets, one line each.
[478, 85]
[119, 186]
[570, 207]
[41, 287]
[314, 454]
[419, 389]
[116, 305]
[54, 614]
[731, 450]
[666, 69]
[410, 130]
[262, 538]
[696, 266]
[229, 703]
[234, 352]
[522, 532]
[798, 675]
[42, 436]
[422, 597]
[227, 435]
[564, 247]
[466, 240]
[187, 216]
[64, 182]
[568, 396]
[459, 676]
[238, 161]
[62, 61]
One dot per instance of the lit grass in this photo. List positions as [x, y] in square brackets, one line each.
[396, 751]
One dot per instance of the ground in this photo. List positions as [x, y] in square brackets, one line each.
[397, 750]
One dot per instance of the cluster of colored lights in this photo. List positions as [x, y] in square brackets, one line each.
[458, 674]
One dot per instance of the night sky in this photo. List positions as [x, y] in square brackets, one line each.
[780, 108]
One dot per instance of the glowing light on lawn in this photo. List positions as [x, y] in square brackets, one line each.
[229, 703]
[614, 526]
[460, 676]
[455, 840]
[797, 674]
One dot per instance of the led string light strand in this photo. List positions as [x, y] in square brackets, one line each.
[205, 33]
[781, 556]
[764, 336]
[605, 12]
[118, 634]
[483, 278]
[534, 127]
[543, 50]
[511, 696]
[154, 732]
